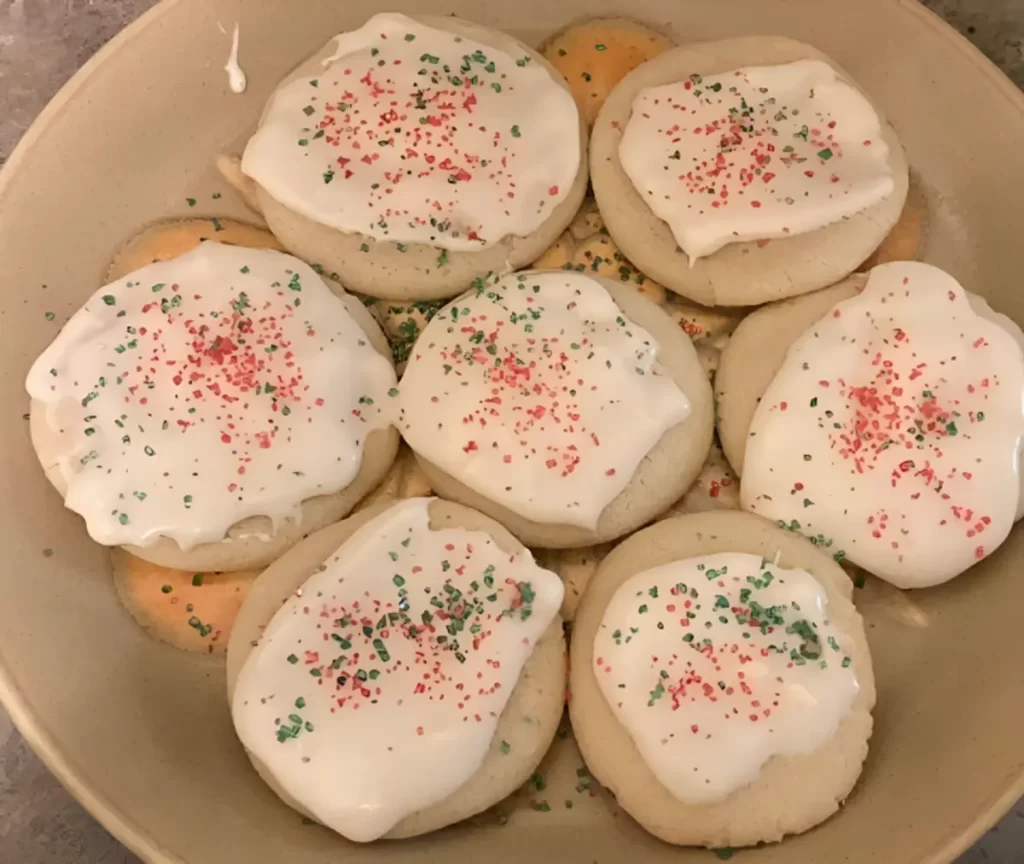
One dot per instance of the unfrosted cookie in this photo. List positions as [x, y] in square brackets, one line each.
[716, 488]
[189, 610]
[721, 681]
[414, 155]
[191, 411]
[414, 649]
[165, 240]
[752, 215]
[905, 240]
[595, 55]
[566, 406]
[403, 323]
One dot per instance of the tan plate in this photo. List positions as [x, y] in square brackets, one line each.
[140, 732]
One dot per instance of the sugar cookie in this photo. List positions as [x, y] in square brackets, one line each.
[208, 411]
[566, 406]
[751, 204]
[891, 432]
[344, 652]
[475, 167]
[189, 610]
[595, 55]
[721, 681]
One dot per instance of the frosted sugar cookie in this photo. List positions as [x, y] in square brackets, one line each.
[890, 432]
[721, 682]
[746, 170]
[413, 155]
[414, 651]
[567, 407]
[755, 353]
[595, 55]
[208, 411]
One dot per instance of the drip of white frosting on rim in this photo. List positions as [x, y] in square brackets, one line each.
[196, 392]
[236, 77]
[376, 690]
[756, 153]
[715, 664]
[536, 391]
[413, 134]
[891, 434]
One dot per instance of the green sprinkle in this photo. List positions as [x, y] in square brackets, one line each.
[538, 781]
[292, 659]
[506, 748]
[47, 553]
[725, 853]
[586, 76]
[825, 154]
[398, 580]
[409, 37]
[191, 202]
[542, 806]
[109, 299]
[50, 316]
[364, 248]
[197, 580]
[515, 132]
[166, 589]
[309, 109]
[601, 47]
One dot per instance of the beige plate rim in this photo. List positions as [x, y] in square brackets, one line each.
[115, 820]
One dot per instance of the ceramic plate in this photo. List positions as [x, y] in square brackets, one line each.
[141, 733]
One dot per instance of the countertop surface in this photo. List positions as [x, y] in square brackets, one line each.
[42, 43]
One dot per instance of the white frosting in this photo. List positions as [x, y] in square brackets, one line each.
[236, 77]
[376, 690]
[716, 664]
[755, 153]
[891, 433]
[193, 393]
[537, 392]
[416, 135]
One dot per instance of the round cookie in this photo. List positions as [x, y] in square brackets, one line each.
[791, 793]
[758, 347]
[405, 479]
[526, 726]
[904, 242]
[741, 273]
[574, 567]
[253, 542]
[165, 240]
[414, 270]
[662, 476]
[716, 488]
[595, 55]
[755, 353]
[402, 324]
[191, 611]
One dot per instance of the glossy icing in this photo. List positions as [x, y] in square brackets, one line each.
[536, 391]
[891, 433]
[236, 77]
[412, 134]
[195, 392]
[755, 153]
[376, 690]
[718, 663]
